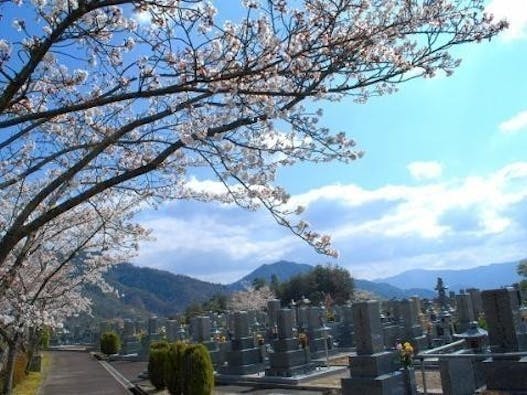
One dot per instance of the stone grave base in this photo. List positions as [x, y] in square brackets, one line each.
[375, 374]
[373, 365]
[317, 347]
[457, 376]
[522, 341]
[291, 371]
[240, 370]
[217, 357]
[246, 361]
[221, 378]
[506, 375]
[420, 343]
[415, 331]
[386, 384]
[391, 333]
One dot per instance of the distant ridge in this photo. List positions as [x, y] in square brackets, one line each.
[155, 291]
[387, 291]
[495, 275]
[286, 269]
[145, 291]
[282, 269]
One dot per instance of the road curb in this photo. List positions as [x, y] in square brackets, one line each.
[127, 384]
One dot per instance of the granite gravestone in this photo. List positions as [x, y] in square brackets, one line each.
[506, 373]
[243, 357]
[464, 312]
[345, 335]
[172, 328]
[501, 308]
[411, 328]
[200, 328]
[289, 358]
[154, 329]
[273, 307]
[373, 371]
[477, 301]
[316, 332]
[130, 343]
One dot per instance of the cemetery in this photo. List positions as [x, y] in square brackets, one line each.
[471, 342]
[153, 151]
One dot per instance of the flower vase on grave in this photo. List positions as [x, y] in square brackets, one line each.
[261, 344]
[410, 386]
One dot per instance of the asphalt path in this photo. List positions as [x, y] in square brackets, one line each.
[78, 373]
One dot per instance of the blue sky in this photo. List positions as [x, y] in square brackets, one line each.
[443, 183]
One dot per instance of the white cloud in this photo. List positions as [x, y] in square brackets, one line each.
[206, 186]
[143, 17]
[515, 124]
[515, 11]
[460, 223]
[202, 234]
[425, 170]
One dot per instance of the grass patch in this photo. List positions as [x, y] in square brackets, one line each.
[32, 382]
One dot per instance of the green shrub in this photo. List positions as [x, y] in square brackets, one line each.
[45, 335]
[482, 322]
[198, 371]
[156, 363]
[174, 368]
[110, 343]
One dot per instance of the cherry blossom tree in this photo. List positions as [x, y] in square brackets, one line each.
[109, 99]
[251, 299]
[57, 262]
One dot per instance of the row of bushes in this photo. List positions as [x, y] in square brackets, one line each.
[110, 343]
[184, 369]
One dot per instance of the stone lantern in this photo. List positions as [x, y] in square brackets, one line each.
[476, 338]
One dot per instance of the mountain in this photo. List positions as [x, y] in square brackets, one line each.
[285, 270]
[282, 269]
[388, 291]
[145, 291]
[149, 291]
[490, 276]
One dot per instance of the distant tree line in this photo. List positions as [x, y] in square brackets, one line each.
[323, 284]
[522, 271]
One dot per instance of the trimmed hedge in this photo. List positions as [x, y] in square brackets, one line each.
[45, 335]
[156, 363]
[174, 378]
[198, 371]
[110, 343]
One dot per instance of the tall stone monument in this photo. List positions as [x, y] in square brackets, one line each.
[317, 332]
[464, 312]
[244, 357]
[273, 307]
[373, 371]
[345, 335]
[411, 328]
[200, 327]
[506, 373]
[289, 358]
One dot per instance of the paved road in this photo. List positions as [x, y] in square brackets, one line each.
[77, 373]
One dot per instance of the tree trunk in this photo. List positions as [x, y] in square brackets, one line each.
[10, 369]
[32, 346]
